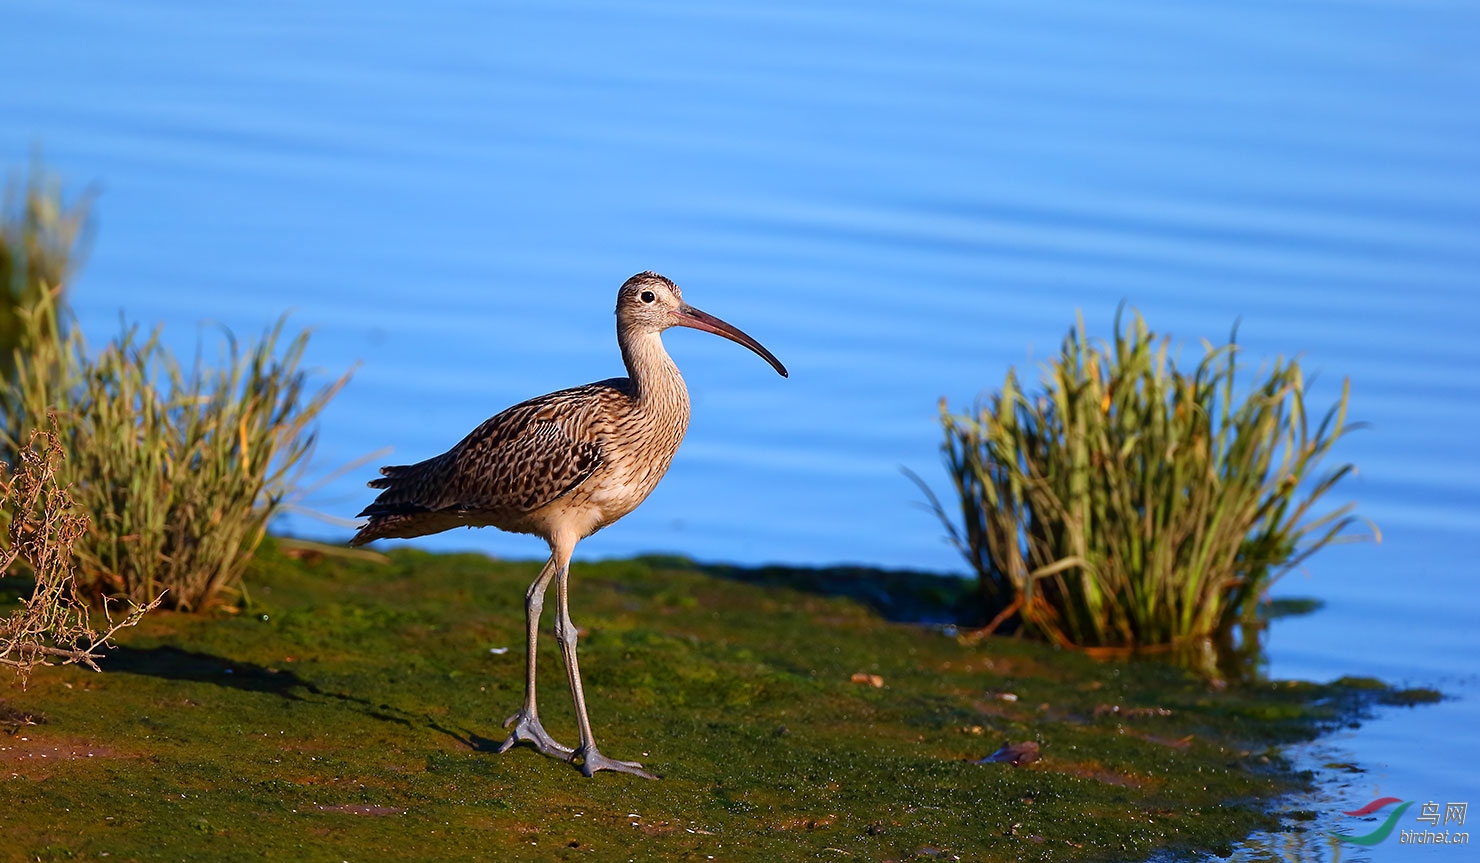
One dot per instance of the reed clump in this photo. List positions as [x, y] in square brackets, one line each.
[1131, 504]
[41, 237]
[178, 469]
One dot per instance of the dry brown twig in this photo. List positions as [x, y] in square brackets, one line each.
[54, 626]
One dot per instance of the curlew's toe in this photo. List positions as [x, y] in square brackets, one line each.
[527, 729]
[592, 761]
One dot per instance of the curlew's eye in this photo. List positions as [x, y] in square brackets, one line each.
[647, 296]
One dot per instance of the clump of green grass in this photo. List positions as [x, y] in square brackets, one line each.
[179, 469]
[40, 237]
[1132, 504]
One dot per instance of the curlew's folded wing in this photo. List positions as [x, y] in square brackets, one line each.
[518, 461]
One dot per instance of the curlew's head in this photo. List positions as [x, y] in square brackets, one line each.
[650, 303]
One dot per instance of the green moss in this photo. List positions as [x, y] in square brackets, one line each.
[351, 712]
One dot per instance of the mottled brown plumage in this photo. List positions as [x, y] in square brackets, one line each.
[507, 470]
[561, 466]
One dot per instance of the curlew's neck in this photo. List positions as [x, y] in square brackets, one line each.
[656, 382]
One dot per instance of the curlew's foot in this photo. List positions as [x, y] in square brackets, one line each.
[527, 729]
[592, 761]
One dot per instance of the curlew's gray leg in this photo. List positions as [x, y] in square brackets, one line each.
[591, 759]
[527, 727]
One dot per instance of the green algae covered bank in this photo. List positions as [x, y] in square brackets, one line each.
[351, 710]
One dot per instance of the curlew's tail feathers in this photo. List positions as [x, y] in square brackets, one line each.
[398, 512]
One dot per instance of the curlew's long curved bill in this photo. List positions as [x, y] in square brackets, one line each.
[688, 316]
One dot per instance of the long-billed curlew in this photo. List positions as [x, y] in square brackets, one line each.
[562, 466]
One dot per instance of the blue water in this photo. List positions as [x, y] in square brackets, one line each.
[900, 200]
